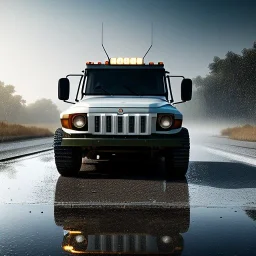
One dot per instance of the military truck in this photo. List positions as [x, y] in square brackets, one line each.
[123, 108]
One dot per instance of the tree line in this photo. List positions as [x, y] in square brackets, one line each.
[13, 108]
[228, 92]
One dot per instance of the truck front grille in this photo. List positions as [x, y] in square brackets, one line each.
[119, 243]
[127, 124]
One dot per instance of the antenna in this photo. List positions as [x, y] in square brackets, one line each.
[151, 42]
[102, 43]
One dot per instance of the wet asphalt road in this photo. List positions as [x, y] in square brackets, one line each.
[129, 207]
[22, 147]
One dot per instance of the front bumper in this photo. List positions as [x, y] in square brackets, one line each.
[123, 142]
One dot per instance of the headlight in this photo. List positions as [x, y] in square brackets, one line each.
[166, 239]
[165, 121]
[80, 238]
[79, 121]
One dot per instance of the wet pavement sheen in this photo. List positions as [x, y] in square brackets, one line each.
[128, 208]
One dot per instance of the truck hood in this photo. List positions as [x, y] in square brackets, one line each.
[121, 102]
[129, 104]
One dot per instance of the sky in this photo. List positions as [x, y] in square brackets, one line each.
[44, 40]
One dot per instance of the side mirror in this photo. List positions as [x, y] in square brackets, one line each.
[186, 89]
[63, 89]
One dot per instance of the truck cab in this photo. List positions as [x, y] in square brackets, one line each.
[123, 107]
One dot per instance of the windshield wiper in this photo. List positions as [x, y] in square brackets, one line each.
[130, 90]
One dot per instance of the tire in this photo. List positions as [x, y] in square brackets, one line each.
[68, 160]
[177, 159]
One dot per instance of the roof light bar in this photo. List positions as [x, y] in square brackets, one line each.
[139, 61]
[120, 61]
[126, 61]
[133, 61]
[112, 61]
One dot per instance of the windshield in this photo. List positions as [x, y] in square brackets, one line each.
[125, 82]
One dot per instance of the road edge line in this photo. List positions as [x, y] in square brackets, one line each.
[233, 156]
[20, 156]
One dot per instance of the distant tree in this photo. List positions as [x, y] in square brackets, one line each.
[228, 91]
[42, 111]
[13, 108]
[11, 105]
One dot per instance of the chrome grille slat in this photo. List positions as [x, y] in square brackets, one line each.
[114, 243]
[103, 242]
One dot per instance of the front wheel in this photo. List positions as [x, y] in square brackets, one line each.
[177, 159]
[68, 160]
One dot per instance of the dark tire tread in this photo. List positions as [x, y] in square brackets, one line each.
[68, 160]
[177, 160]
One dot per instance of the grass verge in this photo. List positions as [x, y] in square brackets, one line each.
[50, 126]
[13, 130]
[245, 133]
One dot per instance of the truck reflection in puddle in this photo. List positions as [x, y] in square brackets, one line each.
[150, 223]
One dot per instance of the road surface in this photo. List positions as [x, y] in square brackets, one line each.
[16, 149]
[129, 207]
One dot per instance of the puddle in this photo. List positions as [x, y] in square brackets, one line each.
[54, 230]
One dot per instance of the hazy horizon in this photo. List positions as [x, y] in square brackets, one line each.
[42, 41]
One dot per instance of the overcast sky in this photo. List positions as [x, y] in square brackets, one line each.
[41, 41]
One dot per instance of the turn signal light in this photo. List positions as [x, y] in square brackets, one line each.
[177, 123]
[68, 247]
[65, 122]
[75, 232]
